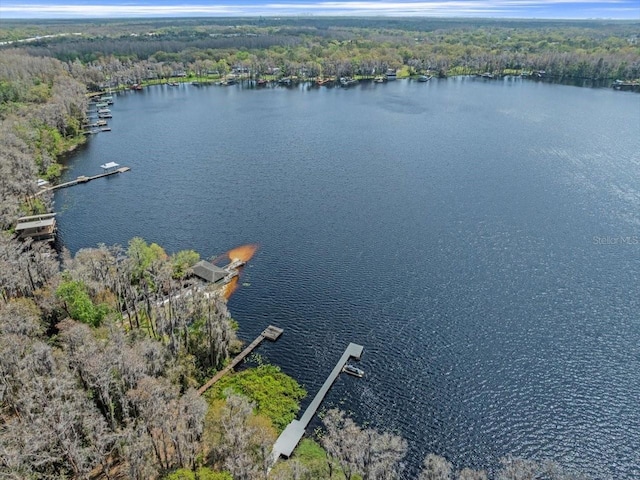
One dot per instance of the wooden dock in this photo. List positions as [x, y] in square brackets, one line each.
[270, 333]
[83, 179]
[290, 437]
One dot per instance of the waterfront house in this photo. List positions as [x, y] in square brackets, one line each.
[37, 227]
[209, 272]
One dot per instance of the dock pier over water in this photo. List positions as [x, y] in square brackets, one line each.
[108, 169]
[291, 436]
[270, 333]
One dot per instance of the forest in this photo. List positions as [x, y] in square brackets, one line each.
[101, 353]
[596, 50]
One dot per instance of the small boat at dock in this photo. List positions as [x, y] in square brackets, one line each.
[424, 78]
[626, 85]
[348, 81]
[353, 370]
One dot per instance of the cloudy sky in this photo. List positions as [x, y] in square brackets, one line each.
[623, 9]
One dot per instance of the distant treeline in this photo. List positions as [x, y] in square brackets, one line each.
[17, 29]
[350, 46]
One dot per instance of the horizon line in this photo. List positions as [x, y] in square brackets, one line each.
[432, 17]
[497, 9]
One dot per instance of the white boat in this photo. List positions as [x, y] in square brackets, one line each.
[353, 370]
[424, 78]
[347, 81]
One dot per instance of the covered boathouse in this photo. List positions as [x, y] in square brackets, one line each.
[37, 227]
[209, 272]
[109, 167]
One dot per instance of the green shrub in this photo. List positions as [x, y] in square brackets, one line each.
[78, 304]
[205, 473]
[181, 474]
[182, 261]
[276, 394]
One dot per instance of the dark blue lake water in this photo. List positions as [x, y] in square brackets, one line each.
[481, 239]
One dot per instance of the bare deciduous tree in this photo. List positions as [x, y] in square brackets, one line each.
[373, 454]
[469, 474]
[240, 442]
[49, 429]
[517, 469]
[435, 467]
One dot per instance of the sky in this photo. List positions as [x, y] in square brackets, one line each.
[578, 9]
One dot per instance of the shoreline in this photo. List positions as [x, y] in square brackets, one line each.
[332, 82]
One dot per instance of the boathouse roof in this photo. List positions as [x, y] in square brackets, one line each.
[208, 271]
[37, 227]
[35, 221]
[109, 165]
[35, 224]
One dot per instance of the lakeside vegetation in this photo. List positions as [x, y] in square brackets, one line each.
[316, 47]
[98, 371]
[41, 111]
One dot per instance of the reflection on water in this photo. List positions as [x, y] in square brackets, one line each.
[243, 253]
[230, 287]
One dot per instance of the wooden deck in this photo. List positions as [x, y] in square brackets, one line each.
[271, 333]
[82, 179]
[290, 437]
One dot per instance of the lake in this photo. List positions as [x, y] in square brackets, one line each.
[480, 239]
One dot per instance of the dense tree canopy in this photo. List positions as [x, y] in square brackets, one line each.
[338, 46]
[42, 108]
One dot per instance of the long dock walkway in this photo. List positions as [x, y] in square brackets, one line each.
[290, 437]
[271, 333]
[82, 179]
